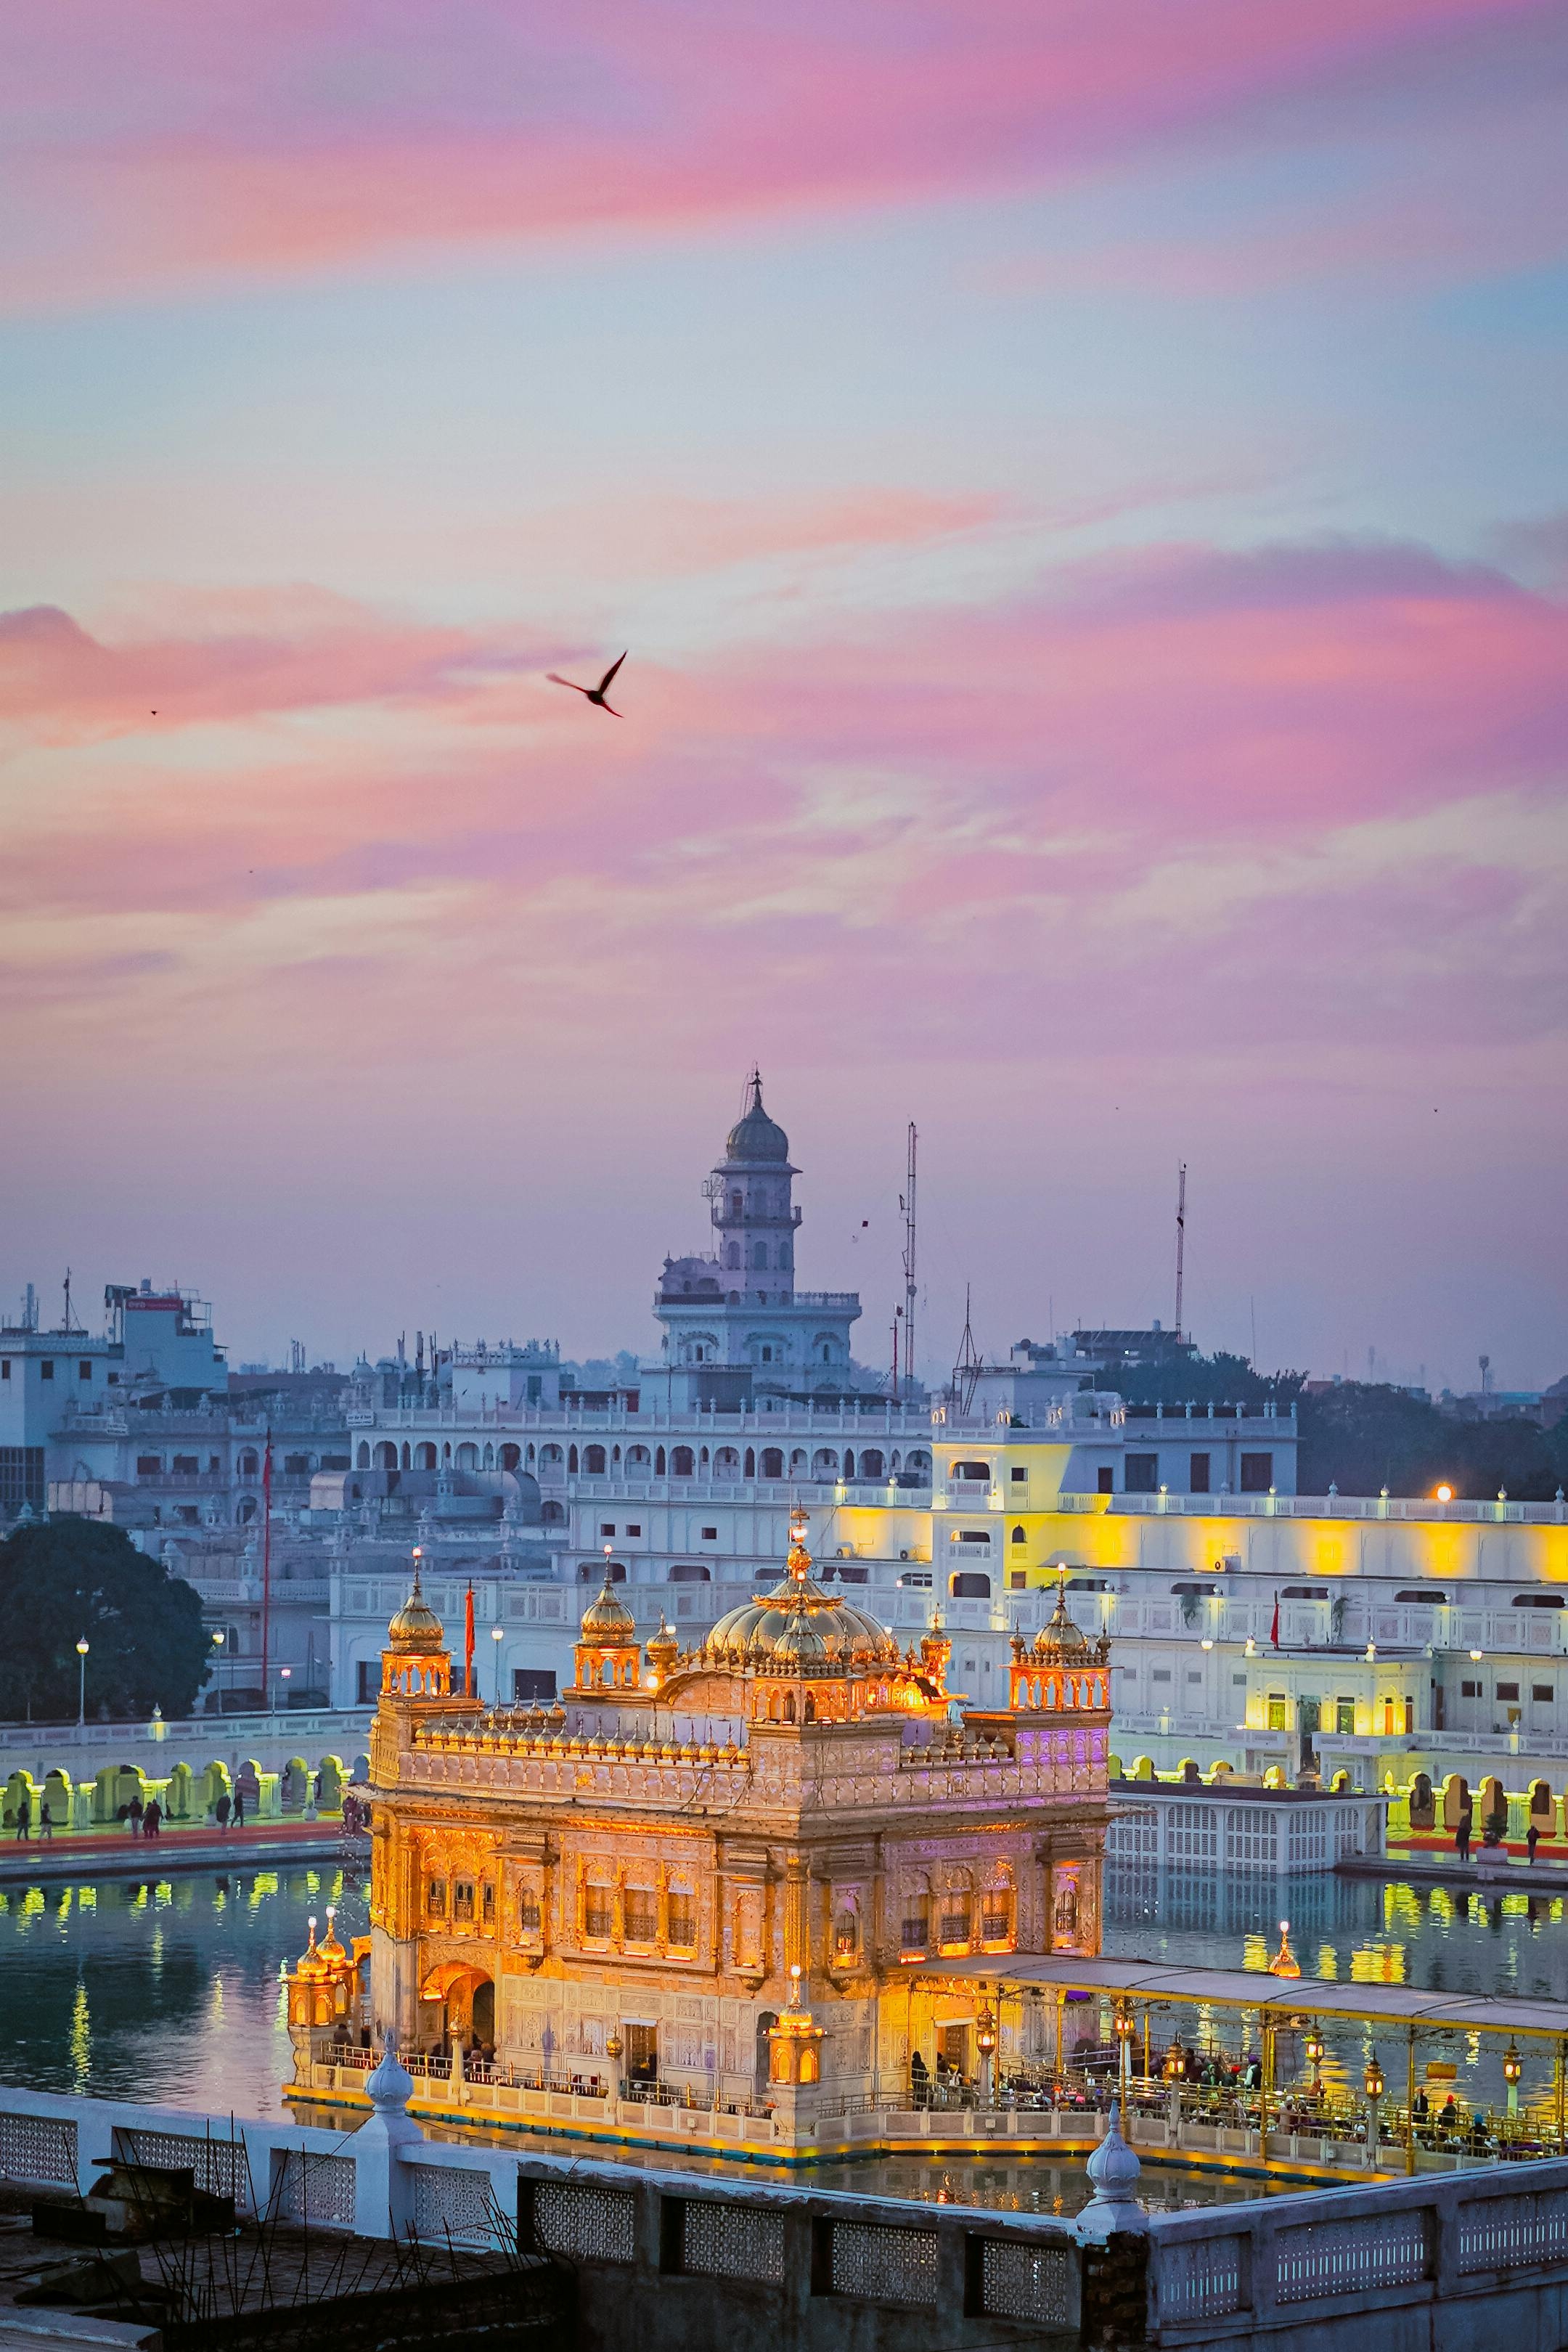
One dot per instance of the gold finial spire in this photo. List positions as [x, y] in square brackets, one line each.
[799, 1561]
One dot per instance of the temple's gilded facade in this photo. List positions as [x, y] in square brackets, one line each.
[622, 1888]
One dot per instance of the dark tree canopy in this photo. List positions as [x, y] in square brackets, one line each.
[73, 1577]
[1219, 1378]
[1362, 1437]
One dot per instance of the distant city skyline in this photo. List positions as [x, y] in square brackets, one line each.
[1085, 495]
[849, 1239]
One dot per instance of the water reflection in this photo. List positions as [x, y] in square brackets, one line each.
[170, 1990]
[163, 1989]
[1354, 1930]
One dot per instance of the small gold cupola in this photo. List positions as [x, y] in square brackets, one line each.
[608, 1655]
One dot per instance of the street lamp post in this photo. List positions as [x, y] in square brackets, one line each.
[217, 1667]
[497, 1635]
[1126, 2027]
[1373, 2085]
[81, 1651]
[985, 2041]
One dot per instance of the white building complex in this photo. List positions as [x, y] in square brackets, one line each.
[1252, 1626]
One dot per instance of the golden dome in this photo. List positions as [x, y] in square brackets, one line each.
[608, 1619]
[416, 1626]
[798, 1628]
[1060, 1640]
[313, 1963]
[663, 1647]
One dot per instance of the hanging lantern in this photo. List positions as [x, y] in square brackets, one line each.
[1314, 2047]
[1175, 2062]
[1124, 2025]
[1371, 2081]
[986, 2032]
[1512, 2065]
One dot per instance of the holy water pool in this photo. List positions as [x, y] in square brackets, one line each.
[169, 1990]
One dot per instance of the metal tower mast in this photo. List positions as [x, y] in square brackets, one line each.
[967, 1370]
[907, 1205]
[1181, 1239]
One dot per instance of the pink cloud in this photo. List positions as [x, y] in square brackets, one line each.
[293, 653]
[181, 145]
[1140, 732]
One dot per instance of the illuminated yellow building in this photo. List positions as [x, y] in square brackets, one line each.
[714, 1868]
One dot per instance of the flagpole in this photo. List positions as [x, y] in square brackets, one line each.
[266, 1572]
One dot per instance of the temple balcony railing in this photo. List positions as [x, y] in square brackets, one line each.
[1408, 1510]
[872, 1413]
[807, 1487]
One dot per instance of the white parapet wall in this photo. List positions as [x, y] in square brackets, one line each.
[1474, 2262]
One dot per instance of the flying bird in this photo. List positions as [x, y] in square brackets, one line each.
[592, 693]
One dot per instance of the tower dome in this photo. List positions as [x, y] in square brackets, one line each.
[607, 1618]
[415, 1627]
[754, 1135]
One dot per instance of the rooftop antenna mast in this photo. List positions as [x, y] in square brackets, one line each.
[907, 1205]
[966, 1371]
[1181, 1239]
[72, 1322]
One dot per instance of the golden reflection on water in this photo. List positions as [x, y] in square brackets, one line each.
[80, 2041]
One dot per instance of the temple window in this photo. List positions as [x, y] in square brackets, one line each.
[598, 1913]
[996, 1915]
[952, 1926]
[846, 1934]
[642, 1915]
[488, 1906]
[436, 1898]
[682, 1920]
[916, 1928]
[462, 1898]
[529, 1918]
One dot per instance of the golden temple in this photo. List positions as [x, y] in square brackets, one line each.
[703, 1878]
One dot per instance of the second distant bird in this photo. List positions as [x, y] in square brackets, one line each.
[592, 693]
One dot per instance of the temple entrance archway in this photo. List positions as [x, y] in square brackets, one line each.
[460, 2004]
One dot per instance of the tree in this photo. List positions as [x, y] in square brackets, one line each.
[1219, 1378]
[1361, 1435]
[70, 1578]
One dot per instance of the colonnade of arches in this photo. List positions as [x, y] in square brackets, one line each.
[821, 1464]
[187, 1794]
[423, 1456]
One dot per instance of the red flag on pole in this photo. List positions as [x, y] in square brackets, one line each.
[468, 1644]
[1274, 1629]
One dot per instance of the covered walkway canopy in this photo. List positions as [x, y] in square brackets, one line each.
[1402, 2006]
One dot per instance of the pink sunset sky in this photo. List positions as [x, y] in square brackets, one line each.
[1084, 485]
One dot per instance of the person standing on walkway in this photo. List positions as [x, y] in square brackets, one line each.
[137, 1810]
[154, 1820]
[1462, 1834]
[1530, 1835]
[238, 1807]
[223, 1809]
[24, 1817]
[45, 1824]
